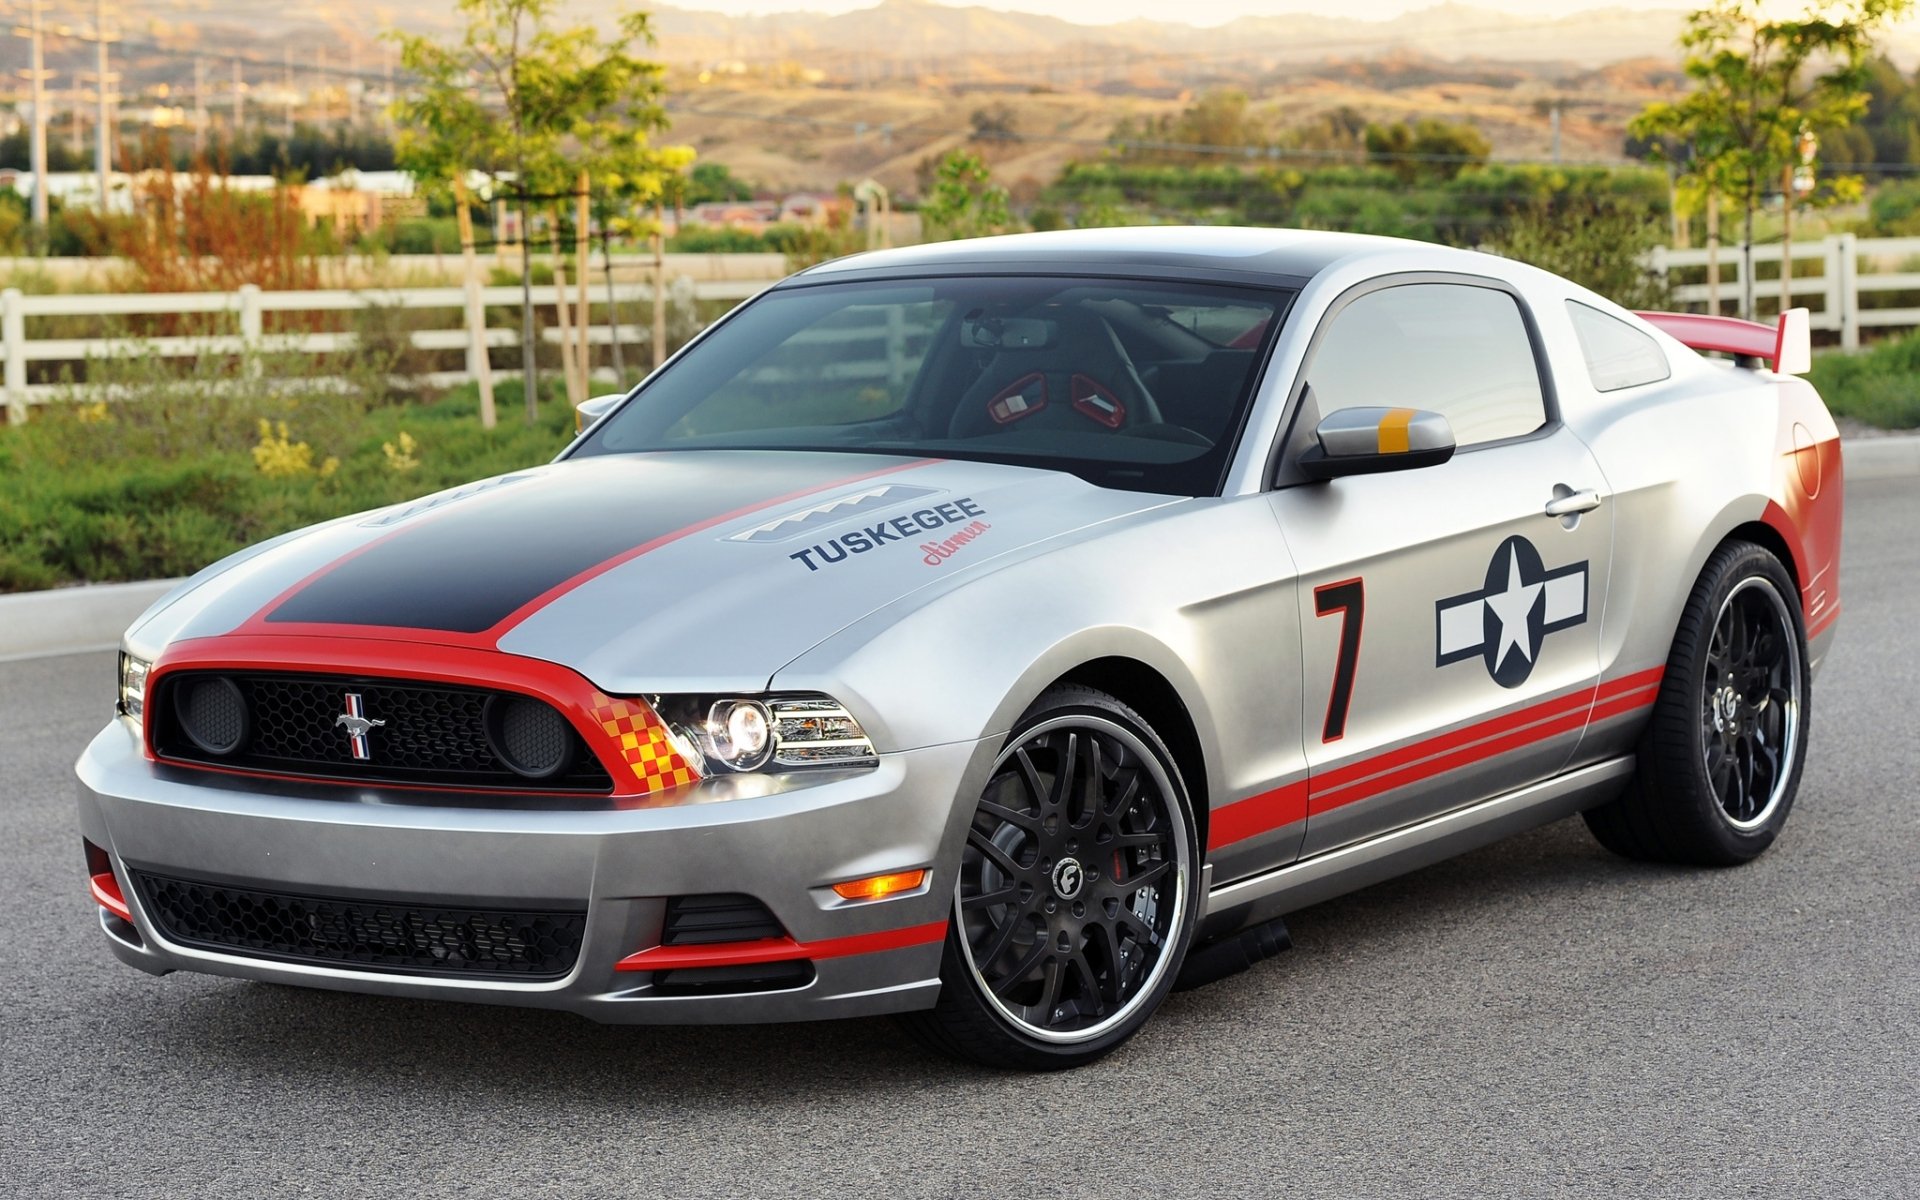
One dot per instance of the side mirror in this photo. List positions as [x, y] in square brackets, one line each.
[589, 411]
[1365, 441]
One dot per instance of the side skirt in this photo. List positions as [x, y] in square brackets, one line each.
[1436, 839]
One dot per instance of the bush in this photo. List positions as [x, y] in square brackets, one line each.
[719, 239]
[1595, 242]
[162, 484]
[1894, 210]
[420, 235]
[1879, 387]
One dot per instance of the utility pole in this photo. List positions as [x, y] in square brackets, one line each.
[103, 130]
[1556, 131]
[286, 85]
[199, 106]
[239, 104]
[314, 101]
[37, 74]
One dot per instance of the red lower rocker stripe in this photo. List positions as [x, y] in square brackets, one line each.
[781, 949]
[1368, 777]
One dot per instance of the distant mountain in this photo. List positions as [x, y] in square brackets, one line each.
[922, 31]
[917, 30]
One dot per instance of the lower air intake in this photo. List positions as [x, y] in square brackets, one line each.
[404, 939]
[717, 917]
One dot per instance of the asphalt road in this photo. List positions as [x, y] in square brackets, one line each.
[1538, 1018]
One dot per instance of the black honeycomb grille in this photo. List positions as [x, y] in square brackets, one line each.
[404, 939]
[431, 734]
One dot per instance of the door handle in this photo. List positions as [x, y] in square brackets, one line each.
[1573, 503]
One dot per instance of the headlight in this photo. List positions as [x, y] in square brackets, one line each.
[133, 685]
[750, 733]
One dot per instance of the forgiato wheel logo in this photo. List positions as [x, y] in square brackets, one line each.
[1068, 877]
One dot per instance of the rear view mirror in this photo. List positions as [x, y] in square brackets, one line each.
[1007, 333]
[1364, 441]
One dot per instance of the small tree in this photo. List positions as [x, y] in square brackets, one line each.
[1427, 149]
[1757, 84]
[964, 202]
[529, 106]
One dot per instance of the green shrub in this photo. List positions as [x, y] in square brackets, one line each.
[718, 239]
[1894, 210]
[156, 486]
[1879, 387]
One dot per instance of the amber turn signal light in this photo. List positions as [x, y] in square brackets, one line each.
[879, 887]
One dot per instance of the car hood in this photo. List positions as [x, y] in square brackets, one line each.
[648, 572]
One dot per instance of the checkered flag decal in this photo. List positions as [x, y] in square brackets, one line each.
[642, 741]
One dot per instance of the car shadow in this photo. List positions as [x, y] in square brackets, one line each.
[445, 1050]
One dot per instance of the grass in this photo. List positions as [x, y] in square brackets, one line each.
[180, 473]
[164, 484]
[1879, 386]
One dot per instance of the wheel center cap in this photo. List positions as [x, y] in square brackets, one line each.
[1725, 708]
[1068, 878]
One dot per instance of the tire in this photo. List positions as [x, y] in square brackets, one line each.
[1720, 761]
[1071, 918]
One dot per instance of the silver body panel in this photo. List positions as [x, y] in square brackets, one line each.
[1219, 597]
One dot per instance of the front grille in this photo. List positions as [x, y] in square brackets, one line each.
[431, 734]
[717, 917]
[405, 939]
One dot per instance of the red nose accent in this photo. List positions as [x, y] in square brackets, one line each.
[102, 885]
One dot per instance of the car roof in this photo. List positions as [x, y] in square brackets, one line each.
[1287, 257]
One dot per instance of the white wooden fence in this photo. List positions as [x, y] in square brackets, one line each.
[1848, 283]
[246, 311]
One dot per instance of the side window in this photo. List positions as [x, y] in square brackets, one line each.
[1455, 349]
[1618, 355]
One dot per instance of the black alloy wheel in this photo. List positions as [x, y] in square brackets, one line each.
[1750, 709]
[1074, 900]
[1720, 762]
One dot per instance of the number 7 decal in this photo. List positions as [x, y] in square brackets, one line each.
[1349, 599]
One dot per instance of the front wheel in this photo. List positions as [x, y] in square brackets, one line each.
[1074, 901]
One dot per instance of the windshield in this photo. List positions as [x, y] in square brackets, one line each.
[1125, 383]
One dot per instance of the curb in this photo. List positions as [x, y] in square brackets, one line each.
[72, 619]
[93, 616]
[1880, 457]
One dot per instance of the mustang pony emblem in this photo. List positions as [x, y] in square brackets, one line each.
[355, 719]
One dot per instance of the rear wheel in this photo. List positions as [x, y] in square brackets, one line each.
[1074, 902]
[1720, 762]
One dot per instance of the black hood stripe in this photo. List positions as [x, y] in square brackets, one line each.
[480, 561]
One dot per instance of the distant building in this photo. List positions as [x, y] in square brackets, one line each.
[754, 216]
[354, 200]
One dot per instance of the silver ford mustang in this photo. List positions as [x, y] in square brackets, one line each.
[1002, 634]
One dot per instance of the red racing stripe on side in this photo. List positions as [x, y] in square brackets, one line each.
[780, 949]
[1481, 751]
[1368, 777]
[1256, 815]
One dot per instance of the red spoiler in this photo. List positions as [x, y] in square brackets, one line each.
[1787, 347]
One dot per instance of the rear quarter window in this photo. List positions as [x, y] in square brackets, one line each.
[1618, 355]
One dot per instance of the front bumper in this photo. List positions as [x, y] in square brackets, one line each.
[782, 840]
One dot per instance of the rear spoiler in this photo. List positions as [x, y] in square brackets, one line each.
[1786, 347]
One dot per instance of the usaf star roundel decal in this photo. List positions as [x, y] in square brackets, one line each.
[1504, 623]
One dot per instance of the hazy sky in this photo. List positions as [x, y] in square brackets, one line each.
[1198, 12]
